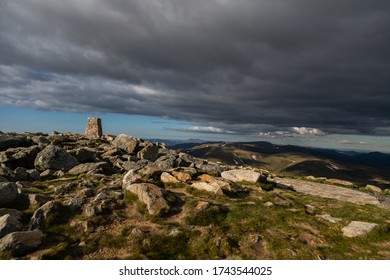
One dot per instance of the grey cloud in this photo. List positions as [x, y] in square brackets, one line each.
[240, 66]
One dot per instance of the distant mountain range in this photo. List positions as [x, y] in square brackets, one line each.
[372, 167]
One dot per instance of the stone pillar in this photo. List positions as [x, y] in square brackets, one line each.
[94, 128]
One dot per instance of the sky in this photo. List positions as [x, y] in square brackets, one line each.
[313, 73]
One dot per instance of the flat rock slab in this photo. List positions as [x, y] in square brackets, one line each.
[327, 191]
[355, 228]
[239, 175]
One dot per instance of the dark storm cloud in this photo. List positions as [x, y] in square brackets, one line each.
[239, 66]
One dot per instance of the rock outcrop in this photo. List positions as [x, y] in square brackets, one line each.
[327, 191]
[239, 175]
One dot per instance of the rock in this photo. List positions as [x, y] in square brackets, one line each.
[210, 168]
[241, 175]
[268, 204]
[340, 182]
[182, 176]
[203, 205]
[54, 157]
[33, 175]
[48, 213]
[47, 174]
[84, 155]
[217, 182]
[373, 188]
[130, 178]
[126, 142]
[309, 209]
[9, 223]
[12, 212]
[21, 242]
[150, 152]
[281, 201]
[168, 178]
[91, 210]
[127, 165]
[20, 157]
[12, 141]
[327, 191]
[21, 174]
[329, 218]
[8, 193]
[152, 196]
[5, 171]
[3, 179]
[166, 162]
[38, 199]
[356, 228]
[209, 187]
[95, 167]
[40, 140]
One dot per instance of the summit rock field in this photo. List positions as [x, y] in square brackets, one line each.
[68, 196]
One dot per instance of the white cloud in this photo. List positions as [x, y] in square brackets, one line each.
[308, 131]
[206, 129]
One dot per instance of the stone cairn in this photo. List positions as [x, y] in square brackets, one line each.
[94, 128]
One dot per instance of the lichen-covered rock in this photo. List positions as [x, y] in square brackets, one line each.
[126, 142]
[54, 157]
[8, 193]
[152, 196]
[239, 175]
[21, 242]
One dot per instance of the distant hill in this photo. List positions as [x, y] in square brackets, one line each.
[361, 168]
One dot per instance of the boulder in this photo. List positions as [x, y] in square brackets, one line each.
[130, 178]
[12, 141]
[239, 175]
[210, 168]
[33, 175]
[54, 157]
[209, 187]
[8, 192]
[152, 196]
[20, 157]
[150, 152]
[126, 142]
[168, 178]
[96, 167]
[21, 174]
[9, 223]
[84, 155]
[21, 242]
[48, 213]
[216, 181]
[356, 228]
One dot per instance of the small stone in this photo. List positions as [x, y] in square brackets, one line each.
[329, 218]
[203, 205]
[268, 204]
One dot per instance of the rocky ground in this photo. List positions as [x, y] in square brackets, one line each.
[64, 196]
